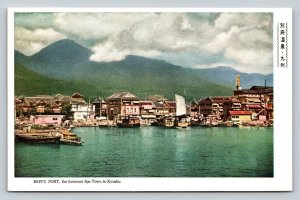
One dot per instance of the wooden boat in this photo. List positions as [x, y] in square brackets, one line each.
[76, 141]
[128, 122]
[51, 137]
[181, 119]
[168, 122]
[69, 138]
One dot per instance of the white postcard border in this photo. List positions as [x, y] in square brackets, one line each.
[282, 180]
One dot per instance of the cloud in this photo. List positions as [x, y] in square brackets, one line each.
[187, 39]
[249, 59]
[31, 41]
[108, 53]
[221, 41]
[96, 26]
[34, 20]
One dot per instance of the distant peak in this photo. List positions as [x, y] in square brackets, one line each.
[65, 47]
[66, 42]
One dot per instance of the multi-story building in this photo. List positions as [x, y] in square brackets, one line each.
[100, 107]
[122, 104]
[165, 108]
[257, 99]
[218, 106]
[147, 111]
[80, 109]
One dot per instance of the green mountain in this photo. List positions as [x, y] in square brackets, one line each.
[68, 61]
[28, 82]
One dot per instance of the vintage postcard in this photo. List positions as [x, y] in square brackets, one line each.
[149, 99]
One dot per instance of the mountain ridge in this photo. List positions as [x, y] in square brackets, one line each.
[70, 61]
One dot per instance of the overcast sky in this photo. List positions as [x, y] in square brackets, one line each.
[197, 40]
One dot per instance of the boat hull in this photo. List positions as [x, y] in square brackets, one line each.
[40, 139]
[70, 142]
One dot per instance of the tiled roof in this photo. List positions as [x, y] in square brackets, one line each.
[77, 95]
[256, 90]
[146, 103]
[123, 95]
[171, 103]
[219, 99]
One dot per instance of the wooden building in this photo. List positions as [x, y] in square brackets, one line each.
[258, 99]
[122, 104]
[218, 106]
[240, 116]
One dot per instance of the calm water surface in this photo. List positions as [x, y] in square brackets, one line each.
[152, 152]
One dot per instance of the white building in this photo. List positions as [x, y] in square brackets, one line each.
[83, 111]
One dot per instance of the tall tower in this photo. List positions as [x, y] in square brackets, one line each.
[237, 82]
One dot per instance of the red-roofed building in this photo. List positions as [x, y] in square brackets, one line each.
[240, 116]
[257, 99]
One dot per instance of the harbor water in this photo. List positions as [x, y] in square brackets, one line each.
[152, 152]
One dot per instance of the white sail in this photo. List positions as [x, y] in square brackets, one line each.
[180, 105]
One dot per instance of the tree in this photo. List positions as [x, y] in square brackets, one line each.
[66, 110]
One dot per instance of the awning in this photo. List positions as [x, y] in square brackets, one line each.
[148, 116]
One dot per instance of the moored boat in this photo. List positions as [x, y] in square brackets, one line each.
[51, 137]
[70, 141]
[128, 122]
[168, 122]
[69, 138]
[181, 119]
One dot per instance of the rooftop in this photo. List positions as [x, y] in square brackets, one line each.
[120, 95]
[76, 95]
[256, 90]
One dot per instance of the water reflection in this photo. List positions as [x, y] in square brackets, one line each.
[153, 152]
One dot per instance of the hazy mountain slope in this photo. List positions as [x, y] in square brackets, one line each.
[28, 82]
[70, 61]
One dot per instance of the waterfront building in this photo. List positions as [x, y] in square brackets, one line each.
[258, 99]
[147, 111]
[100, 107]
[240, 116]
[270, 112]
[122, 104]
[171, 107]
[194, 110]
[218, 106]
[46, 120]
[165, 108]
[82, 110]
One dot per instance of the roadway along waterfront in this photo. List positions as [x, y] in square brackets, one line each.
[152, 152]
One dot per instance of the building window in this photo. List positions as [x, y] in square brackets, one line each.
[54, 119]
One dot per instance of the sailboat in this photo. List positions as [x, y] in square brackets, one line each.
[181, 119]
